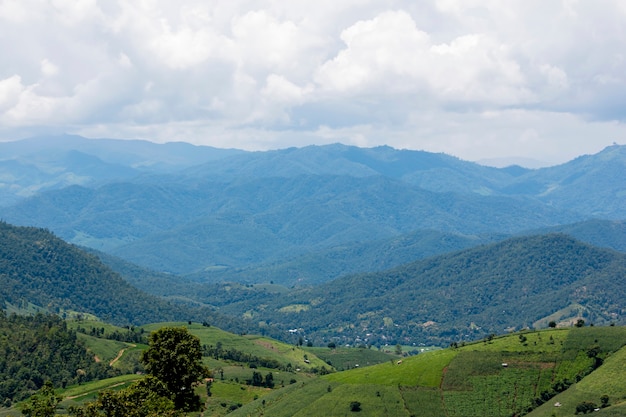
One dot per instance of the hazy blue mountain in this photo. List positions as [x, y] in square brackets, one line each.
[44, 163]
[326, 264]
[590, 184]
[602, 233]
[315, 267]
[226, 213]
[185, 228]
[430, 171]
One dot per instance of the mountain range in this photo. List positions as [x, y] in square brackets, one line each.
[294, 216]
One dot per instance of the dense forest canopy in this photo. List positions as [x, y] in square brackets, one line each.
[40, 348]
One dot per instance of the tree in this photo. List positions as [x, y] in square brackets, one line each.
[42, 404]
[174, 357]
[585, 407]
[355, 406]
[552, 324]
[148, 397]
[257, 379]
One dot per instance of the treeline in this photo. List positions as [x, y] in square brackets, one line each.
[235, 355]
[130, 336]
[40, 348]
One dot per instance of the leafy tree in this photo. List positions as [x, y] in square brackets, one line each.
[44, 403]
[593, 352]
[174, 356]
[580, 323]
[257, 379]
[552, 324]
[148, 397]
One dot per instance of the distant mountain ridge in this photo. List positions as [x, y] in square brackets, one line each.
[44, 163]
[196, 210]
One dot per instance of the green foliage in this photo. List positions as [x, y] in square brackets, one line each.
[37, 266]
[586, 407]
[457, 297]
[41, 348]
[148, 397]
[175, 358]
[355, 406]
[43, 403]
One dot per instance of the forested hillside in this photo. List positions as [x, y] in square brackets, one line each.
[40, 348]
[37, 267]
[517, 283]
[197, 226]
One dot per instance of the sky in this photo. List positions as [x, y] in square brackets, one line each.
[477, 79]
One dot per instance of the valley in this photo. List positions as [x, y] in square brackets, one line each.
[400, 280]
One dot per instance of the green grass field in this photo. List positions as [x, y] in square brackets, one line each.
[424, 370]
[499, 377]
[347, 358]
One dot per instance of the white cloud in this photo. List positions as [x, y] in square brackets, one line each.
[10, 90]
[468, 77]
[48, 69]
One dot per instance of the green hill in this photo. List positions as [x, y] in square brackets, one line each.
[501, 376]
[513, 284]
[37, 268]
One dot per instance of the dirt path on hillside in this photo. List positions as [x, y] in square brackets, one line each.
[120, 353]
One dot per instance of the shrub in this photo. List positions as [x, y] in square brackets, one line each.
[355, 406]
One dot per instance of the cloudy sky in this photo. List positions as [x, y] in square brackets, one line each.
[542, 79]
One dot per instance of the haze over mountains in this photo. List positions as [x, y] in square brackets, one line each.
[231, 230]
[215, 213]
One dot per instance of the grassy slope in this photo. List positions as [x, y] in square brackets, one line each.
[348, 358]
[259, 346]
[609, 379]
[470, 380]
[466, 381]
